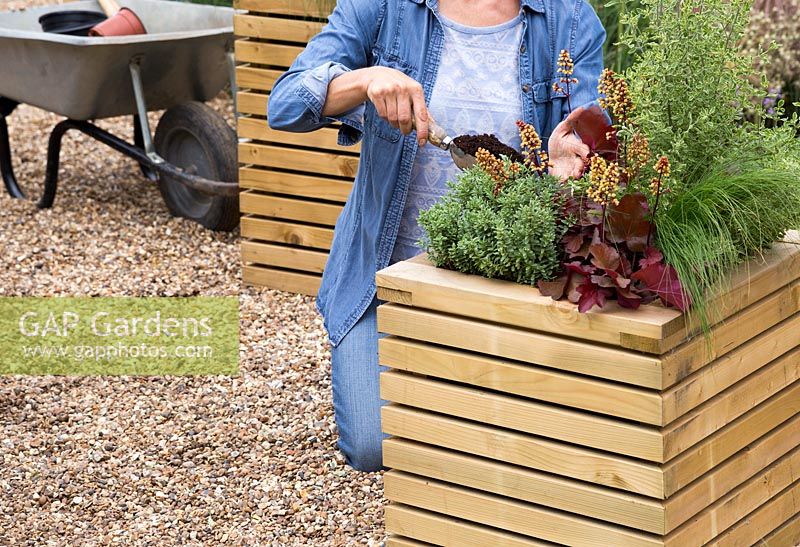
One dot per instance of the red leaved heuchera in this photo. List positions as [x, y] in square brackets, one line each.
[608, 251]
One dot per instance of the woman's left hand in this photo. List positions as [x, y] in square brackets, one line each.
[567, 152]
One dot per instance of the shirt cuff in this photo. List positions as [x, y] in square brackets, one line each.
[314, 91]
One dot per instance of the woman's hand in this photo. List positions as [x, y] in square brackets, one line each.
[398, 99]
[567, 152]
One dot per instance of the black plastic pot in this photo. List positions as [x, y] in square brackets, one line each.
[74, 23]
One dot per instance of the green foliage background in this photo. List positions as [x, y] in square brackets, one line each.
[611, 13]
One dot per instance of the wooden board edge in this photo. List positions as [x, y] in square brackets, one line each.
[527, 485]
[280, 280]
[748, 531]
[439, 529]
[573, 462]
[513, 516]
[524, 416]
[785, 535]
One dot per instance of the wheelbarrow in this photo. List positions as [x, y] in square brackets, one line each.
[184, 60]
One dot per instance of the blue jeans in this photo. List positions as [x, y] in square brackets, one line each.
[356, 393]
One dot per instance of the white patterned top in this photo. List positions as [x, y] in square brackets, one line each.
[477, 91]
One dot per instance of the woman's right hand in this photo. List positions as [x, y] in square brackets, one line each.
[398, 99]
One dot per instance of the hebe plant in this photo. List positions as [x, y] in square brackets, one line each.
[512, 234]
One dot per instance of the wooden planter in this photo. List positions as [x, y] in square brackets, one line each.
[295, 185]
[516, 421]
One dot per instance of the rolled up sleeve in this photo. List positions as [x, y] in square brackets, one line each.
[344, 44]
[313, 90]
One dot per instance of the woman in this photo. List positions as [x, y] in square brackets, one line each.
[382, 68]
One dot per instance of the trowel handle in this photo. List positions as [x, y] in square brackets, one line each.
[110, 7]
[437, 136]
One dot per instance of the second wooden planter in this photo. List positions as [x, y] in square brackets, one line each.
[516, 420]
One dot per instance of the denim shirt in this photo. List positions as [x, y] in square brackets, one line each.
[407, 35]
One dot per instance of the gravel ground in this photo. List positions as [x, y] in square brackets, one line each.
[163, 461]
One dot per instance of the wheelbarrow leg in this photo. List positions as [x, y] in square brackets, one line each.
[141, 110]
[6, 167]
[232, 76]
[138, 140]
[53, 160]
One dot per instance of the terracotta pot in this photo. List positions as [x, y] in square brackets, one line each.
[124, 23]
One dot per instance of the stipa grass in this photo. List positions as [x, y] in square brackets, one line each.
[737, 209]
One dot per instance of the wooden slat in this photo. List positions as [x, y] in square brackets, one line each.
[284, 257]
[535, 347]
[550, 421]
[730, 404]
[645, 442]
[326, 163]
[736, 505]
[289, 209]
[732, 333]
[522, 379]
[294, 185]
[718, 447]
[521, 345]
[286, 30]
[263, 79]
[525, 485]
[248, 102]
[417, 282]
[685, 504]
[730, 368]
[589, 394]
[278, 55]
[286, 232]
[526, 450]
[443, 530]
[750, 530]
[584, 498]
[282, 280]
[265, 260]
[585, 464]
[397, 541]
[522, 518]
[326, 138]
[651, 329]
[307, 8]
[539, 522]
[787, 534]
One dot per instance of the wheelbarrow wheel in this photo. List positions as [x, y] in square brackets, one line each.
[195, 138]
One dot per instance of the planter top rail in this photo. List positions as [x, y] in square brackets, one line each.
[651, 329]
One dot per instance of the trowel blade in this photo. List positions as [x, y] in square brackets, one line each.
[460, 158]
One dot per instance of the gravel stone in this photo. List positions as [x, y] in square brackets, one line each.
[249, 460]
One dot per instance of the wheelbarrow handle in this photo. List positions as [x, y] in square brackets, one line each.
[110, 7]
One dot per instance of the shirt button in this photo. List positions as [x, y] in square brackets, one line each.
[522, 48]
[526, 88]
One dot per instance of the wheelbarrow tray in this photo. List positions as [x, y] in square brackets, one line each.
[183, 58]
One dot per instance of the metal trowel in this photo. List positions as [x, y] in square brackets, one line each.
[439, 138]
